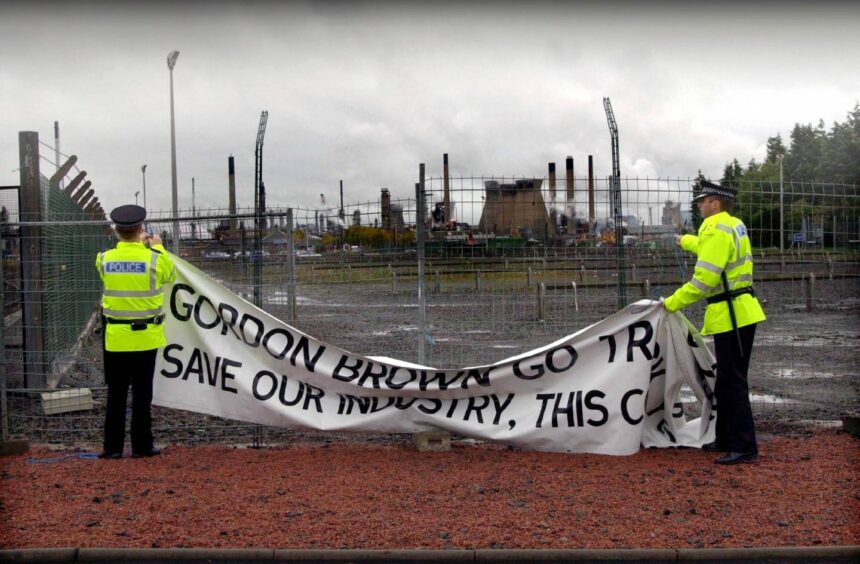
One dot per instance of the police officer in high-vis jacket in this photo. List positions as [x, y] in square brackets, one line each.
[724, 277]
[133, 274]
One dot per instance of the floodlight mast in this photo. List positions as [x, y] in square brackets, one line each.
[615, 194]
[259, 210]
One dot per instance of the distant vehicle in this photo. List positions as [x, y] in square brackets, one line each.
[304, 253]
[216, 255]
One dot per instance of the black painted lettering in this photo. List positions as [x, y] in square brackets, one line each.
[167, 354]
[304, 347]
[451, 409]
[257, 328]
[592, 405]
[342, 366]
[566, 360]
[611, 339]
[536, 371]
[374, 375]
[229, 316]
[500, 407]
[313, 394]
[395, 385]
[276, 347]
[264, 378]
[195, 366]
[544, 400]
[473, 406]
[435, 405]
[566, 410]
[482, 378]
[226, 375]
[186, 307]
[212, 371]
[282, 393]
[198, 318]
[426, 379]
[625, 412]
[642, 343]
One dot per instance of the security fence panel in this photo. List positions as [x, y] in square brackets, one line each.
[509, 264]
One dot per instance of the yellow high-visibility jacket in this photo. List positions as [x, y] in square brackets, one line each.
[133, 276]
[722, 244]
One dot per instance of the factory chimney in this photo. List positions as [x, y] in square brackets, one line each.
[231, 196]
[446, 200]
[569, 169]
[552, 181]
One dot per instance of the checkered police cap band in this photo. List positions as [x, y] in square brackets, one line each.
[711, 189]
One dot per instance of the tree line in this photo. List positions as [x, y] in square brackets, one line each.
[820, 176]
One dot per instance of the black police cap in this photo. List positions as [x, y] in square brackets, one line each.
[711, 189]
[128, 216]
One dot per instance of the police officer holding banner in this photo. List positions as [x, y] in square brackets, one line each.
[724, 277]
[133, 274]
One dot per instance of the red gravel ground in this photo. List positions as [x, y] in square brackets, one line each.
[803, 491]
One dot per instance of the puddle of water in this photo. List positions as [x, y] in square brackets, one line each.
[796, 374]
[687, 396]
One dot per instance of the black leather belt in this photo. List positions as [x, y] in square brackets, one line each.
[731, 294]
[137, 324]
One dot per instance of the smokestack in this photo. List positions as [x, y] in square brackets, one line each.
[569, 170]
[385, 198]
[590, 190]
[341, 214]
[446, 200]
[552, 181]
[231, 196]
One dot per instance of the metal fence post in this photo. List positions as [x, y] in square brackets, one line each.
[32, 250]
[4, 405]
[422, 299]
[541, 301]
[291, 265]
[809, 291]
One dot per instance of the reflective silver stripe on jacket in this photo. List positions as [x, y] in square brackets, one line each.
[739, 262]
[138, 314]
[701, 285]
[709, 266]
[102, 262]
[153, 264]
[743, 278]
[133, 293]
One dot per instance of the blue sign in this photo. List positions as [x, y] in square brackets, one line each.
[798, 237]
[125, 267]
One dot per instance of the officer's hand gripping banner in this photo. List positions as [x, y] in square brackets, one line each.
[606, 389]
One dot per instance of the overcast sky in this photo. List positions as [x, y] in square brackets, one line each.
[363, 92]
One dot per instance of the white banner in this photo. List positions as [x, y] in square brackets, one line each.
[605, 389]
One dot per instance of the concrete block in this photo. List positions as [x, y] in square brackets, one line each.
[433, 441]
[65, 401]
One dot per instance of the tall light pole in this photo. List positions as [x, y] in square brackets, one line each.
[171, 62]
[143, 170]
[135, 197]
[781, 222]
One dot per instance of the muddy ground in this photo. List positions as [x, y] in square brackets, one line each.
[804, 369]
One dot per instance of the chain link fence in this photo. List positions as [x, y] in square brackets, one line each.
[505, 264]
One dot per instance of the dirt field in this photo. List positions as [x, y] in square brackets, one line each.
[804, 368]
[803, 491]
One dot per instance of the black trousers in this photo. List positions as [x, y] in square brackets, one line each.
[121, 370]
[735, 426]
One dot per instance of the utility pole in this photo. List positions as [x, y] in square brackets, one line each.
[781, 219]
